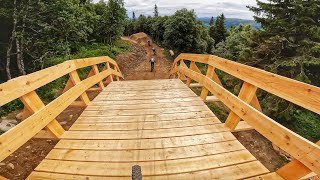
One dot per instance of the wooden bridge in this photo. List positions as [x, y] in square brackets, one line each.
[160, 125]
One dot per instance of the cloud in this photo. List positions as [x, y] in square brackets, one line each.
[203, 8]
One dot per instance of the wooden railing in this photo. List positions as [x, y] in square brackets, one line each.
[246, 106]
[37, 115]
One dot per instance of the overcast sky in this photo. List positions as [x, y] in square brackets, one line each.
[203, 8]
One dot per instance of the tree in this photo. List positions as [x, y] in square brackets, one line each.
[290, 37]
[185, 33]
[115, 20]
[220, 32]
[156, 13]
[133, 16]
[212, 29]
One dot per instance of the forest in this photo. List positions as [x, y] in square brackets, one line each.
[38, 34]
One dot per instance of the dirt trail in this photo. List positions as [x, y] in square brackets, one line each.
[137, 67]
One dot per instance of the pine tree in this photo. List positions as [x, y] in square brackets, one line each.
[211, 23]
[212, 29]
[291, 36]
[133, 16]
[156, 13]
[220, 30]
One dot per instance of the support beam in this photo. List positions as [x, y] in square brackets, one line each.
[33, 103]
[75, 80]
[95, 71]
[204, 92]
[110, 78]
[294, 169]
[246, 94]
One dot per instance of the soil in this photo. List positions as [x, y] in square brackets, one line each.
[134, 65]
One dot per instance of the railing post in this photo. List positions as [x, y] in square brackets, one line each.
[204, 92]
[110, 78]
[76, 79]
[96, 71]
[247, 93]
[33, 103]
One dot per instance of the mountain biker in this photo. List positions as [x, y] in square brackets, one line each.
[152, 63]
[154, 50]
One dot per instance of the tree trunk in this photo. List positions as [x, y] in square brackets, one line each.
[19, 57]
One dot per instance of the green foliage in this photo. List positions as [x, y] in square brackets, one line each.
[185, 33]
[48, 29]
[11, 106]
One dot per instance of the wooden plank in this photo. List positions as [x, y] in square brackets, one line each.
[147, 155]
[271, 176]
[110, 78]
[294, 169]
[155, 96]
[305, 151]
[144, 101]
[14, 138]
[47, 175]
[147, 95]
[143, 125]
[212, 99]
[79, 104]
[148, 118]
[96, 71]
[242, 126]
[69, 85]
[135, 112]
[246, 94]
[22, 85]
[110, 106]
[75, 80]
[204, 91]
[145, 134]
[195, 85]
[240, 171]
[151, 92]
[149, 168]
[44, 134]
[159, 143]
[33, 103]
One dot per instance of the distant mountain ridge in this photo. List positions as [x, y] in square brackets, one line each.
[229, 22]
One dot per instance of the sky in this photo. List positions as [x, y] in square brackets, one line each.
[203, 8]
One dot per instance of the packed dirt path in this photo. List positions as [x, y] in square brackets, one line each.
[136, 65]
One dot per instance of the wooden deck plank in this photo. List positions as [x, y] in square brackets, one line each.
[110, 106]
[135, 112]
[158, 143]
[145, 155]
[148, 118]
[271, 176]
[149, 168]
[145, 134]
[143, 101]
[85, 126]
[239, 171]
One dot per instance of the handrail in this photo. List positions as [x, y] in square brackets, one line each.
[301, 149]
[22, 85]
[40, 115]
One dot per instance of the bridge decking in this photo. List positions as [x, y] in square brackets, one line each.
[160, 125]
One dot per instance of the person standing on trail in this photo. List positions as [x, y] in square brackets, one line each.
[154, 51]
[152, 63]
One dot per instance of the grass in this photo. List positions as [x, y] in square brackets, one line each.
[50, 91]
